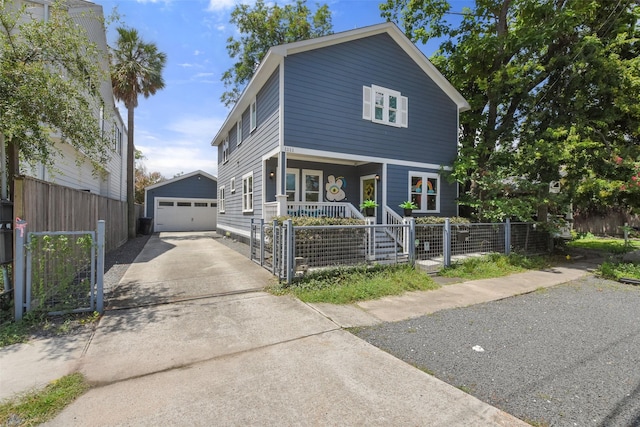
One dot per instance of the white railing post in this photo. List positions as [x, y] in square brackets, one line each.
[371, 238]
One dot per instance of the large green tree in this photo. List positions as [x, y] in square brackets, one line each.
[553, 90]
[261, 27]
[46, 95]
[136, 70]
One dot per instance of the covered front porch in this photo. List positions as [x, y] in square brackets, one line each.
[314, 186]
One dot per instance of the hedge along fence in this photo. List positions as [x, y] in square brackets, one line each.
[326, 241]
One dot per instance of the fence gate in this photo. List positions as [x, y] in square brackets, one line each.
[59, 271]
[271, 246]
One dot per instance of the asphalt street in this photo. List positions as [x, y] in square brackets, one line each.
[562, 356]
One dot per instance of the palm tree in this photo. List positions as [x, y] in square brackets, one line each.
[136, 69]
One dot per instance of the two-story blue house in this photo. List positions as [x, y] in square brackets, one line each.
[329, 122]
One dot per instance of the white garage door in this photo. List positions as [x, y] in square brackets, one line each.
[175, 214]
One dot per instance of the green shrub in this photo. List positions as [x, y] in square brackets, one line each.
[440, 220]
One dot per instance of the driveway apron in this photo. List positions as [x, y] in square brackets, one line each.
[244, 358]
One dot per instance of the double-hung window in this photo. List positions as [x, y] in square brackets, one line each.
[247, 192]
[225, 149]
[239, 132]
[221, 199]
[424, 191]
[253, 116]
[385, 106]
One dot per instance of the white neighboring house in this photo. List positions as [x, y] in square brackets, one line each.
[67, 170]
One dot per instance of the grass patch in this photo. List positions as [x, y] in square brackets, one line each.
[348, 285]
[494, 265]
[608, 245]
[40, 406]
[617, 270]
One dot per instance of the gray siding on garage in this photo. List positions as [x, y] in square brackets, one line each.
[248, 158]
[323, 99]
[193, 187]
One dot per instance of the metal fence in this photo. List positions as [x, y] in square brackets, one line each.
[59, 272]
[290, 251]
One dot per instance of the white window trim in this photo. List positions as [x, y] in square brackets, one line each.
[225, 149]
[239, 132]
[245, 199]
[253, 115]
[232, 185]
[369, 106]
[303, 191]
[425, 176]
[221, 199]
[296, 172]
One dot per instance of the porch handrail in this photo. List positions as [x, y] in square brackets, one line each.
[392, 218]
[328, 209]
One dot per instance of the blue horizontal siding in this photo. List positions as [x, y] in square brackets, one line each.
[323, 103]
[194, 187]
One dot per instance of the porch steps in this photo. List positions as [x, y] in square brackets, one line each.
[387, 251]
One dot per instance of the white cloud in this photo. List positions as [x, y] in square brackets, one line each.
[186, 149]
[220, 5]
[200, 75]
[197, 52]
[186, 65]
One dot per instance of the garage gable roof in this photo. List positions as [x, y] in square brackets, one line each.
[181, 177]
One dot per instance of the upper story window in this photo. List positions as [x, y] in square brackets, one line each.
[239, 132]
[424, 191]
[225, 149]
[385, 106]
[117, 139]
[253, 115]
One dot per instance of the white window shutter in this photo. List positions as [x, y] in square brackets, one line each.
[366, 103]
[404, 111]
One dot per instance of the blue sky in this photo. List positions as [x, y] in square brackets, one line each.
[174, 128]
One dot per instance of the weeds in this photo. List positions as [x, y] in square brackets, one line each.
[40, 406]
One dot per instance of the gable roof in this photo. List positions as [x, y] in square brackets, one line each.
[181, 177]
[275, 55]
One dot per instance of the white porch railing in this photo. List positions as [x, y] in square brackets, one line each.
[392, 218]
[323, 209]
[270, 210]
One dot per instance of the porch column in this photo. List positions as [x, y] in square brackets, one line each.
[281, 190]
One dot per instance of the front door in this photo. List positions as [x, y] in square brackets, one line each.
[368, 189]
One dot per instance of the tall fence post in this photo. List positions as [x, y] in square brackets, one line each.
[290, 251]
[262, 239]
[251, 239]
[18, 274]
[446, 242]
[412, 241]
[100, 267]
[275, 250]
[371, 238]
[507, 237]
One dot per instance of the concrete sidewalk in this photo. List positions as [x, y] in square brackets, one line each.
[421, 303]
[230, 358]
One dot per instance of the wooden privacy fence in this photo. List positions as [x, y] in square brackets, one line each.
[51, 207]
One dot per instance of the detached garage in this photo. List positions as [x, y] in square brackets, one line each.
[185, 203]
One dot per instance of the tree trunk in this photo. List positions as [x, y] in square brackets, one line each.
[131, 207]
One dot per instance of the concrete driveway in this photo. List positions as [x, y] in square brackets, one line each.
[246, 358]
[178, 266]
